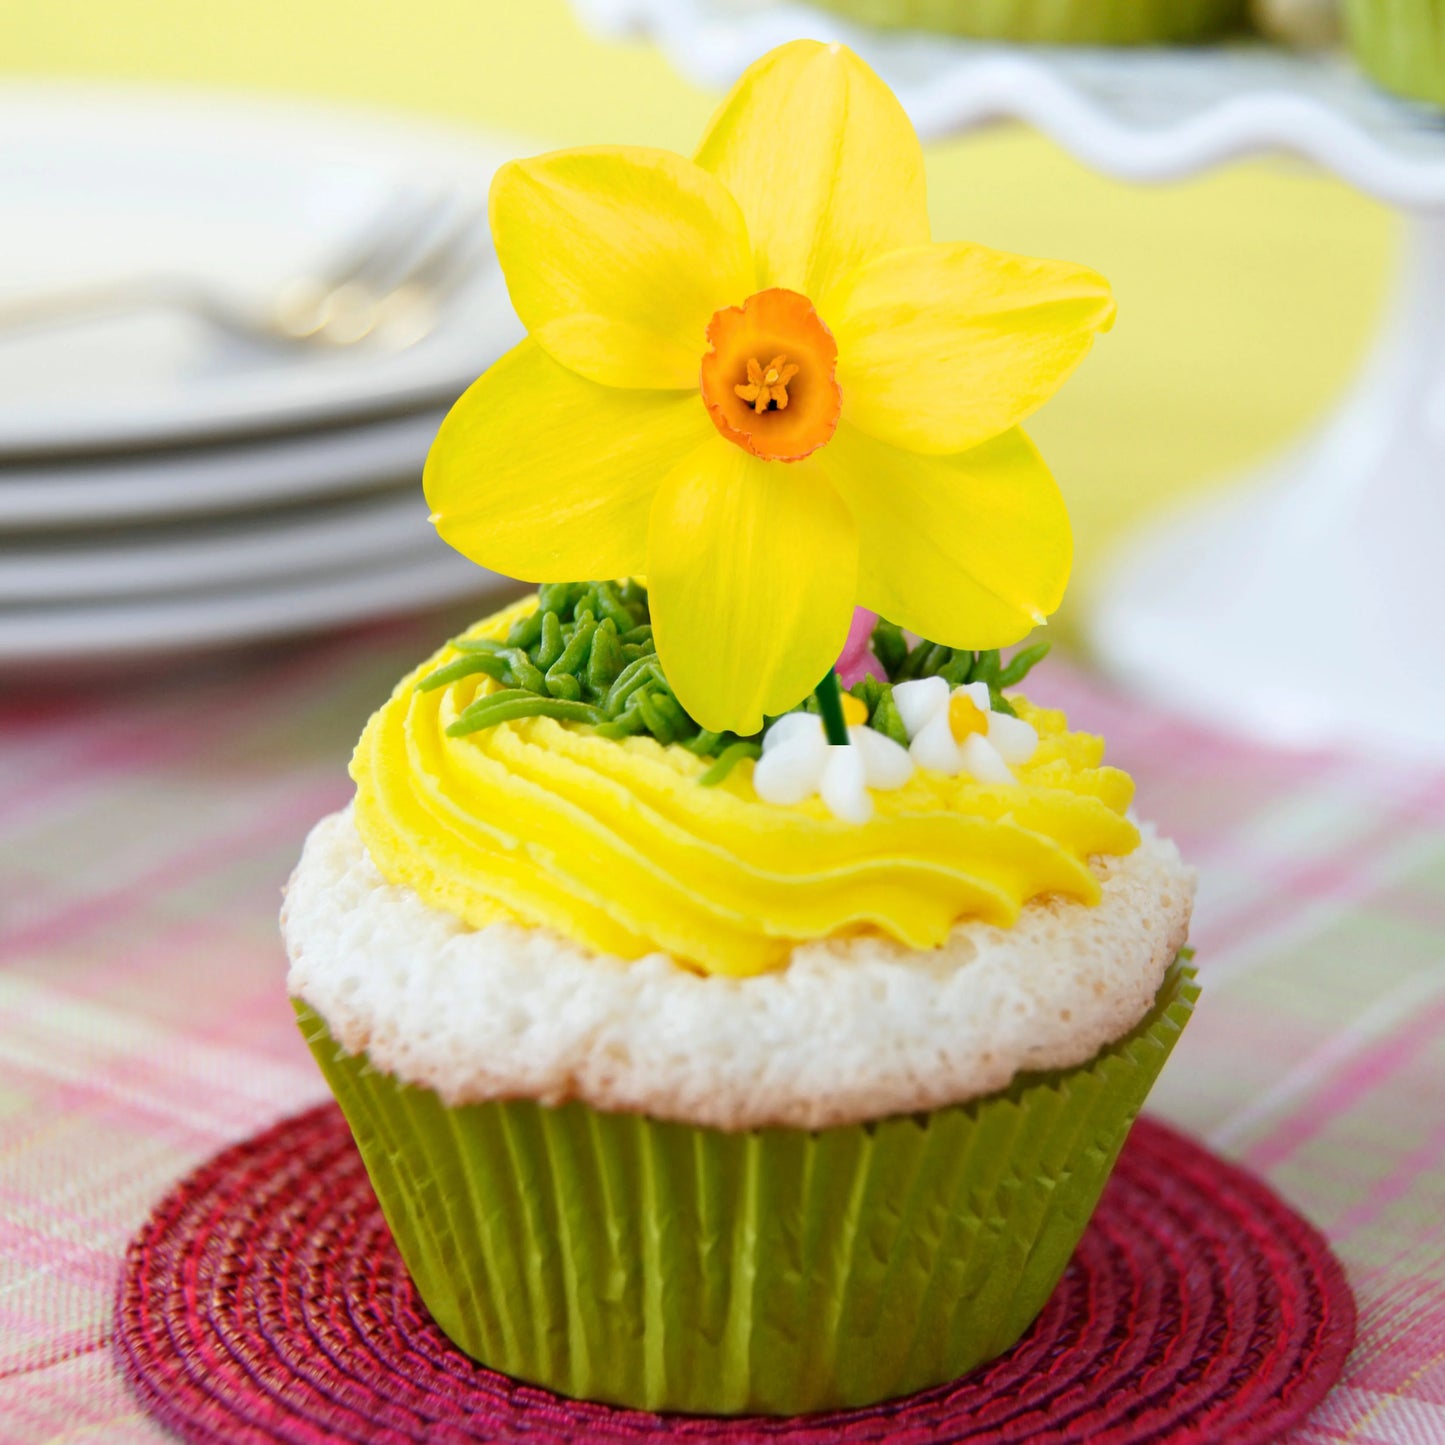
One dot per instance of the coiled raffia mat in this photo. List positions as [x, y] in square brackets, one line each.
[264, 1300]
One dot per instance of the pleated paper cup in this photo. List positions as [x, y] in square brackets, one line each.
[664, 1266]
[1400, 44]
[1069, 22]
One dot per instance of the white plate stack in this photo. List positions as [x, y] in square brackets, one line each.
[174, 474]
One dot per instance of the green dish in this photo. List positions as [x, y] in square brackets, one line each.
[777, 1271]
[1070, 22]
[1400, 44]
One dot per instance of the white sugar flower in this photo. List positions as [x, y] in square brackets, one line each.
[956, 730]
[798, 761]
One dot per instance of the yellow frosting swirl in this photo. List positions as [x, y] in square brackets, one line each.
[616, 846]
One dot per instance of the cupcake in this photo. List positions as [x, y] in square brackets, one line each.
[1067, 22]
[1400, 44]
[738, 990]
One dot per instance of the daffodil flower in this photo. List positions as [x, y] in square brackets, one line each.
[957, 731]
[754, 378]
[798, 761]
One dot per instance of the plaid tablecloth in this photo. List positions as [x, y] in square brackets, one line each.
[146, 828]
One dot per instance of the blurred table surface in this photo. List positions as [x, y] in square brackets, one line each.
[146, 825]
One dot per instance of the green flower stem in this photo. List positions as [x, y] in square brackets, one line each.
[830, 706]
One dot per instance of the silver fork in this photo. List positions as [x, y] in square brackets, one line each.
[384, 287]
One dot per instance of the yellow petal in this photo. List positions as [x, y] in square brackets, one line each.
[824, 163]
[751, 569]
[616, 259]
[971, 550]
[542, 475]
[941, 347]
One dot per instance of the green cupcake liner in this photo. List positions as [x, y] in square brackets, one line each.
[775, 1271]
[1400, 44]
[1070, 22]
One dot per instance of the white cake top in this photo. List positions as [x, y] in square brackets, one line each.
[852, 1029]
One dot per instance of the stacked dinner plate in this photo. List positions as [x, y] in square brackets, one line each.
[229, 329]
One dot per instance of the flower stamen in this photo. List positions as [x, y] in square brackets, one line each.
[767, 387]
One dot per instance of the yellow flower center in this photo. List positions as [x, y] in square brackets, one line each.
[965, 717]
[767, 386]
[784, 409]
[855, 710]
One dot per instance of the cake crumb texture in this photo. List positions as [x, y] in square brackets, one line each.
[852, 1029]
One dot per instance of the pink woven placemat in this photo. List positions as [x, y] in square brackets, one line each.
[264, 1300]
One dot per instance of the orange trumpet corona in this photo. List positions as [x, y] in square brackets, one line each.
[769, 376]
